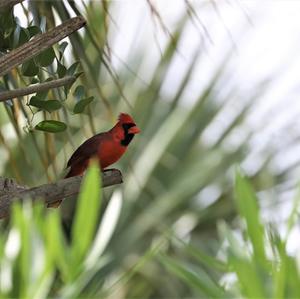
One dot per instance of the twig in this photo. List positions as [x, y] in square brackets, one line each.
[8, 185]
[8, 3]
[52, 192]
[10, 94]
[156, 14]
[38, 44]
[193, 15]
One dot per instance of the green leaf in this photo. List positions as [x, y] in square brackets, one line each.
[23, 37]
[70, 72]
[22, 227]
[248, 276]
[33, 30]
[61, 48]
[43, 94]
[61, 70]
[293, 218]
[242, 264]
[46, 57]
[80, 106]
[88, 205]
[57, 245]
[203, 257]
[72, 69]
[248, 207]
[34, 80]
[199, 281]
[52, 126]
[78, 74]
[50, 105]
[79, 92]
[291, 269]
[35, 101]
[29, 68]
[7, 21]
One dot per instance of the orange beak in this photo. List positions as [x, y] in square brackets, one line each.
[134, 130]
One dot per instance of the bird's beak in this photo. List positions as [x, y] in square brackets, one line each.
[134, 130]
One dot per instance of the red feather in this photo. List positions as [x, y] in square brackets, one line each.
[107, 147]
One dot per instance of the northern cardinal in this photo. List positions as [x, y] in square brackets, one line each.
[107, 147]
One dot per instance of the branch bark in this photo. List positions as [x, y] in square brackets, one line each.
[10, 94]
[52, 192]
[38, 44]
[8, 3]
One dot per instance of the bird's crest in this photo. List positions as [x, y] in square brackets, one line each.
[125, 118]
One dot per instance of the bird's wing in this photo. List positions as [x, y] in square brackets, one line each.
[86, 150]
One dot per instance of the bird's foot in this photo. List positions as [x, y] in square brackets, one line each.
[110, 169]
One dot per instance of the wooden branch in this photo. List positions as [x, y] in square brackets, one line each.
[10, 94]
[8, 3]
[38, 44]
[8, 185]
[52, 192]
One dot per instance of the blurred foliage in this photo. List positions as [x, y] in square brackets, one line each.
[175, 178]
[38, 262]
[254, 264]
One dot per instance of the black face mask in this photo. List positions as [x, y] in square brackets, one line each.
[128, 137]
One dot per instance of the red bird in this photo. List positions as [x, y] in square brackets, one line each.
[107, 147]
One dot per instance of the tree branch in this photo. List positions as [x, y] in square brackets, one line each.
[8, 185]
[52, 192]
[10, 94]
[38, 44]
[8, 3]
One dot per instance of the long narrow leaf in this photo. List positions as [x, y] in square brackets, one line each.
[88, 206]
[247, 204]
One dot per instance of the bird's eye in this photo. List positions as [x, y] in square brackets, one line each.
[128, 126]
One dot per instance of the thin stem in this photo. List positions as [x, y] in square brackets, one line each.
[12, 160]
[10, 94]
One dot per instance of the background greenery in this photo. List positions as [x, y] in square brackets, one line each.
[174, 229]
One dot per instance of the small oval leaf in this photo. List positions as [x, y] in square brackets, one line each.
[33, 30]
[80, 106]
[46, 57]
[50, 105]
[72, 69]
[34, 80]
[52, 126]
[70, 72]
[23, 37]
[35, 101]
[61, 48]
[61, 70]
[29, 68]
[79, 92]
